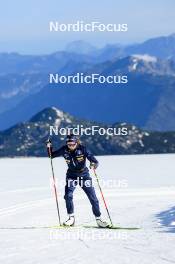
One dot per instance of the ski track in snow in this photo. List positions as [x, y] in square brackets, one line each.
[27, 205]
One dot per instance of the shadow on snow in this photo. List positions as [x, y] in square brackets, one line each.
[166, 218]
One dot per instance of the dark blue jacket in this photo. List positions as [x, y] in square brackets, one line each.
[76, 159]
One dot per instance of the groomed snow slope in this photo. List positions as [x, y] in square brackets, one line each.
[140, 192]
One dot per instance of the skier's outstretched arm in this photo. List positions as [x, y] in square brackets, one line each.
[57, 153]
[93, 161]
[51, 153]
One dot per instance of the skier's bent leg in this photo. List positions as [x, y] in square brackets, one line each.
[69, 189]
[90, 192]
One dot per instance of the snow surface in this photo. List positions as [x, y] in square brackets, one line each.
[145, 57]
[139, 190]
[60, 116]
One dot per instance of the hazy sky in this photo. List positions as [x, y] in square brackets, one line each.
[24, 24]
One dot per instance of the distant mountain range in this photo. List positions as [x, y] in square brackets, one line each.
[151, 80]
[161, 47]
[146, 101]
[23, 75]
[28, 139]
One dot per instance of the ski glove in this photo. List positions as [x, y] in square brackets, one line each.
[49, 147]
[93, 165]
[48, 143]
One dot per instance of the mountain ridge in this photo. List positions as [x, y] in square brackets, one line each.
[28, 139]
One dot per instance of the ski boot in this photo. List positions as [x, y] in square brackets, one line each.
[101, 223]
[70, 221]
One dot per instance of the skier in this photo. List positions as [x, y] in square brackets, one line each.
[75, 155]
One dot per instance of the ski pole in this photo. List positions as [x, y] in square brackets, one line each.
[98, 182]
[54, 185]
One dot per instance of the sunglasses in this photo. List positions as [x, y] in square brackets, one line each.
[71, 144]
